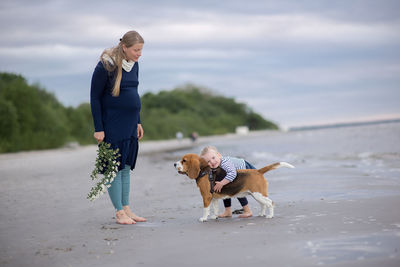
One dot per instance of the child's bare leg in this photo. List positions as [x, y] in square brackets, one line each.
[246, 212]
[123, 218]
[132, 215]
[227, 213]
[228, 210]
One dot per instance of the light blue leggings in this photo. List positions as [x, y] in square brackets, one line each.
[119, 190]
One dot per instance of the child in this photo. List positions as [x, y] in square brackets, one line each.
[230, 165]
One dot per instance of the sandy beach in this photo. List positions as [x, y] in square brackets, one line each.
[338, 207]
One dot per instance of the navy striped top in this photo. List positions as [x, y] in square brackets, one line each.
[230, 165]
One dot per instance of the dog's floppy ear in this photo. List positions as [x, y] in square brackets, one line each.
[194, 168]
[203, 163]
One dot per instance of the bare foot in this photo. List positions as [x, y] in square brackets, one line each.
[227, 213]
[246, 212]
[122, 218]
[246, 215]
[133, 215]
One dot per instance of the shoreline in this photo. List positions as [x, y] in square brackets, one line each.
[149, 146]
[170, 145]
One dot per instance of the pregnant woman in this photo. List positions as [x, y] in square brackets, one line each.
[115, 105]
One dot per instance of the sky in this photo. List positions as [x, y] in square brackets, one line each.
[297, 63]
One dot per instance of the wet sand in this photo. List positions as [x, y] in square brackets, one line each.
[46, 219]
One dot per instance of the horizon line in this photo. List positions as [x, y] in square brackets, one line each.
[343, 124]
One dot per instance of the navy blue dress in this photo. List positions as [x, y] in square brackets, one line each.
[117, 116]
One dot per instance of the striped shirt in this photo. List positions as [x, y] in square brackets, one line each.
[230, 165]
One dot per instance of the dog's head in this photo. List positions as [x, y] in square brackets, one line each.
[191, 165]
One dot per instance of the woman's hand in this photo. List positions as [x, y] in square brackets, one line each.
[99, 136]
[139, 131]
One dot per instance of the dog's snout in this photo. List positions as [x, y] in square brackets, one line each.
[178, 165]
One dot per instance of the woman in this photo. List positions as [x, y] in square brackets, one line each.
[115, 105]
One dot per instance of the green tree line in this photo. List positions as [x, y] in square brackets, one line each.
[32, 118]
[193, 109]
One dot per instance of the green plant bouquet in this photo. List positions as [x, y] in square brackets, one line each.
[107, 167]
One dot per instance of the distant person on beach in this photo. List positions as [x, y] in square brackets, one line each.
[115, 105]
[179, 136]
[194, 136]
[230, 165]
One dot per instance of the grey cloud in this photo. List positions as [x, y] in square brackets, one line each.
[289, 54]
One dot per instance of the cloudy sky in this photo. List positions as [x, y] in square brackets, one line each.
[295, 62]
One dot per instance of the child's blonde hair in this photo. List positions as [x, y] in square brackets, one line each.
[207, 149]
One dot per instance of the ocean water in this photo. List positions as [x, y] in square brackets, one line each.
[336, 163]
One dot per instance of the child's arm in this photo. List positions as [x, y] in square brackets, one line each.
[231, 173]
[218, 185]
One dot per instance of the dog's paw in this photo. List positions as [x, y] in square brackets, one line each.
[213, 217]
[269, 216]
[203, 219]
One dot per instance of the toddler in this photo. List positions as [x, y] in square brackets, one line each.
[230, 165]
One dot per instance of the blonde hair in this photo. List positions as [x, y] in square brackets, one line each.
[207, 149]
[117, 55]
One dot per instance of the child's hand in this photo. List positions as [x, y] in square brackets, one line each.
[218, 185]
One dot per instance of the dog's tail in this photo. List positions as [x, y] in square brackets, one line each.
[275, 166]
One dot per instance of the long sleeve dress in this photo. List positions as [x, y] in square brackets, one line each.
[117, 116]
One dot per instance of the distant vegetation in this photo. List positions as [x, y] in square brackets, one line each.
[32, 118]
[193, 109]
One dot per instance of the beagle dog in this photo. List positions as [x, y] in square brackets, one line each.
[247, 182]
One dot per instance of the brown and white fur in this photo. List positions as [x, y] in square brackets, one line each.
[248, 182]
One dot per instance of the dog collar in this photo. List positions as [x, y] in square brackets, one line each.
[202, 173]
[211, 178]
